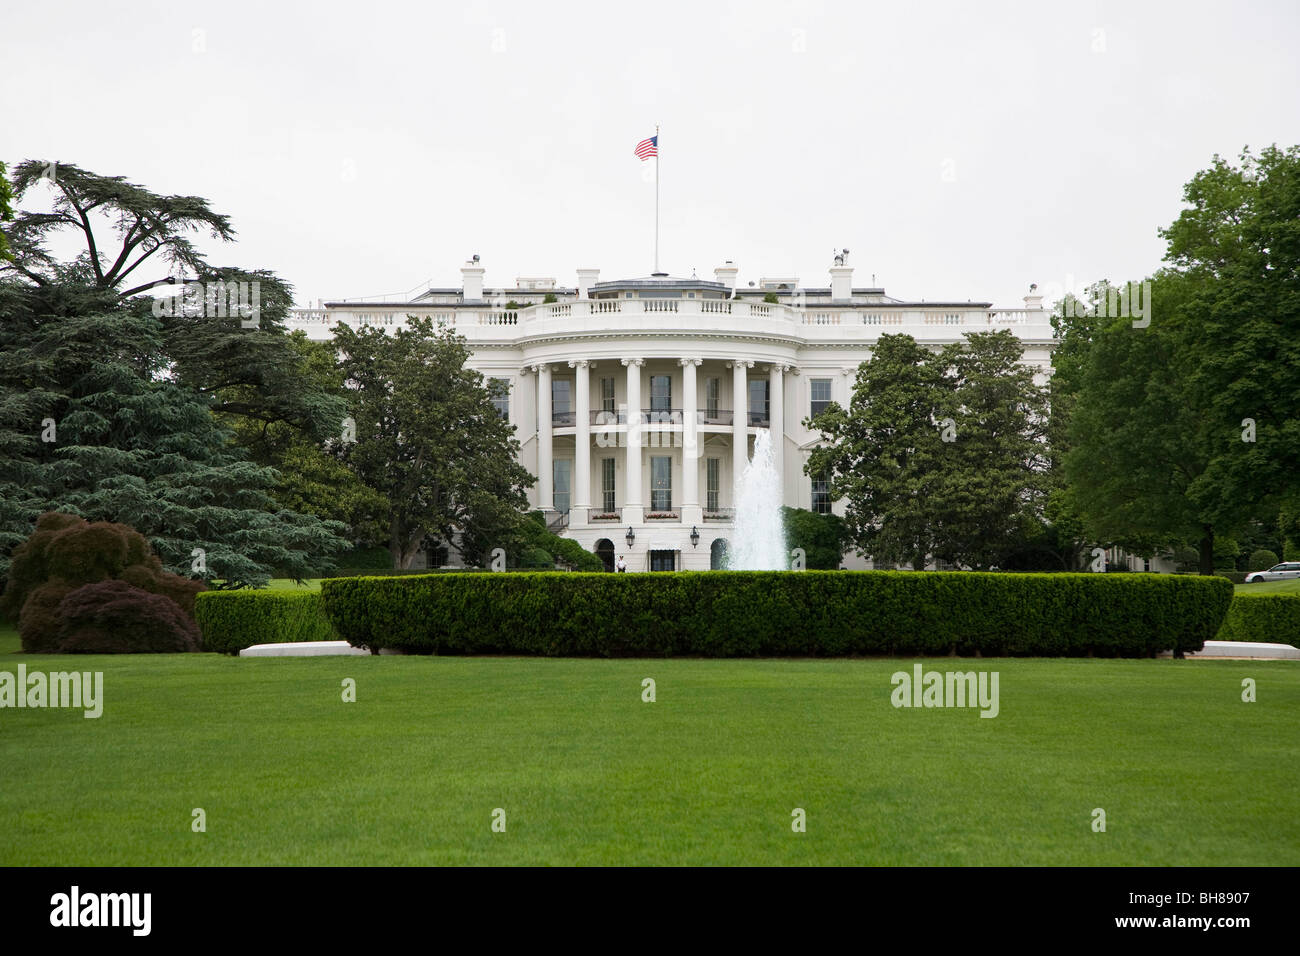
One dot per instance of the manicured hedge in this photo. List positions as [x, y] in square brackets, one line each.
[233, 620]
[775, 613]
[1269, 618]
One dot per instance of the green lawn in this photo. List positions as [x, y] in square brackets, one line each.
[587, 773]
[1269, 587]
[288, 584]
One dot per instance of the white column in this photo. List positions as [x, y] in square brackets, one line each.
[739, 422]
[545, 454]
[582, 447]
[776, 420]
[633, 506]
[692, 513]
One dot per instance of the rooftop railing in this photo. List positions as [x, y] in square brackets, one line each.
[815, 322]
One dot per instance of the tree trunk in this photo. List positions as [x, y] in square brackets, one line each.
[411, 550]
[403, 547]
[1207, 551]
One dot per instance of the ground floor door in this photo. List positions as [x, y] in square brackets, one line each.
[663, 560]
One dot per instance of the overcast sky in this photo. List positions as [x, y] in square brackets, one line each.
[960, 150]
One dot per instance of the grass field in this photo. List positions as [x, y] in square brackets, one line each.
[288, 773]
[1269, 587]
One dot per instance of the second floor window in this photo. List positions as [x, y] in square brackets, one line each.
[711, 389]
[561, 395]
[758, 392]
[661, 484]
[500, 391]
[661, 393]
[607, 395]
[821, 395]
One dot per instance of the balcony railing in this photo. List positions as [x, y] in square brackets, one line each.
[816, 321]
[563, 418]
[652, 416]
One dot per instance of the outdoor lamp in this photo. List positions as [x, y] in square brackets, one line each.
[695, 536]
[631, 536]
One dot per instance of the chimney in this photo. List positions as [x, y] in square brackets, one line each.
[472, 275]
[586, 279]
[841, 278]
[726, 274]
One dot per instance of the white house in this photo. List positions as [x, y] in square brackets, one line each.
[636, 401]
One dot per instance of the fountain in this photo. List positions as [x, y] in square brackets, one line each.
[758, 538]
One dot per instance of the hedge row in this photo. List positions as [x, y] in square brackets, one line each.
[233, 620]
[809, 613]
[1268, 618]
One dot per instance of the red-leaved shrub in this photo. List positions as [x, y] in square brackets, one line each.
[64, 554]
[113, 617]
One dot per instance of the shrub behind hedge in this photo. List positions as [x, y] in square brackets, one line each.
[233, 620]
[1261, 560]
[809, 613]
[1268, 618]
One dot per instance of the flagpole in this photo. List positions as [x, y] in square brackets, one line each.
[658, 160]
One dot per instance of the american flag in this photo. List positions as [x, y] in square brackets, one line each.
[647, 148]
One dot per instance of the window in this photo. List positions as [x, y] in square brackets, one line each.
[561, 396]
[821, 395]
[607, 395]
[500, 390]
[758, 401]
[561, 401]
[821, 496]
[436, 553]
[711, 390]
[712, 483]
[563, 473]
[661, 484]
[607, 484]
[661, 393]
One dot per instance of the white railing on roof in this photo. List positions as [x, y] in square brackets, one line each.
[721, 314]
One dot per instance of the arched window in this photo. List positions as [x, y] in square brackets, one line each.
[718, 554]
